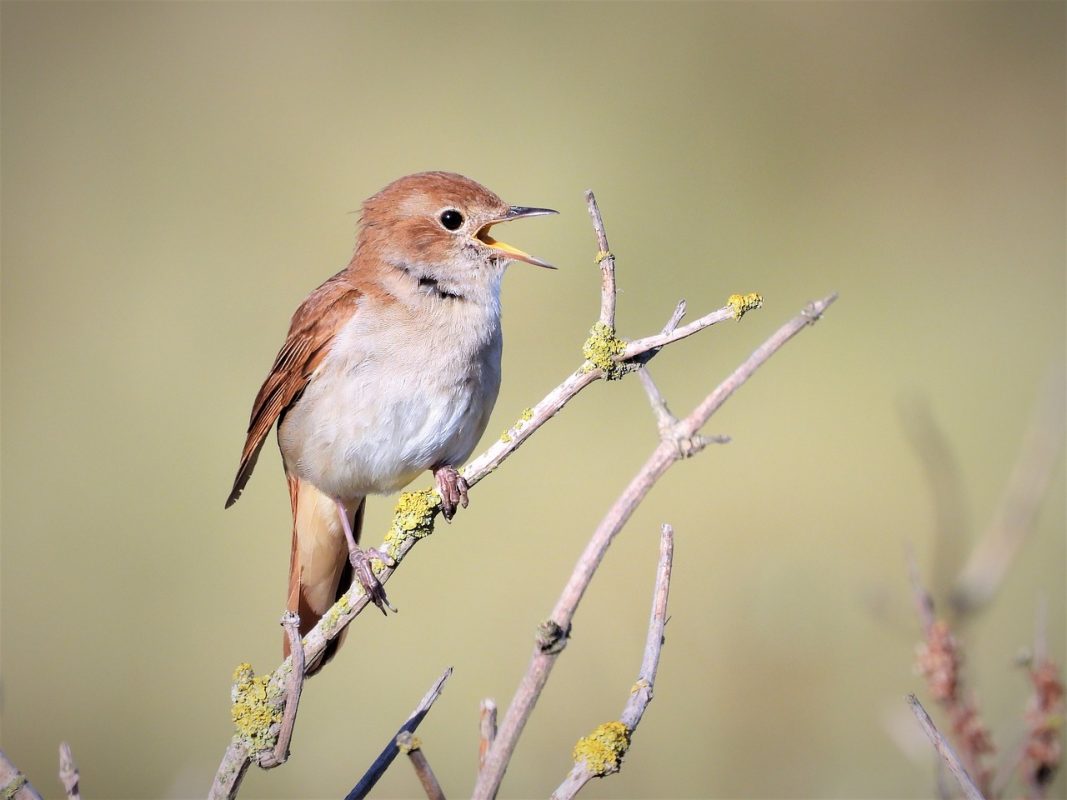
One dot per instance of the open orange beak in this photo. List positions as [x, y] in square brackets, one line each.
[515, 212]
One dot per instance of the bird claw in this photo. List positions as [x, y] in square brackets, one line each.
[453, 490]
[372, 587]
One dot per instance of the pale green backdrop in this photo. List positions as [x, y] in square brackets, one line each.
[176, 177]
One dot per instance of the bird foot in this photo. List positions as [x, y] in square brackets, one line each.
[453, 490]
[372, 587]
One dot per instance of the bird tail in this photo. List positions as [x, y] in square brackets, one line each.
[319, 569]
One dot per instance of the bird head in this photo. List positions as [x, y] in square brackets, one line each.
[435, 226]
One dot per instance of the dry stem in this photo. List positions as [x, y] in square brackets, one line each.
[1040, 453]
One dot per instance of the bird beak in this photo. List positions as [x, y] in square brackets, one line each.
[515, 212]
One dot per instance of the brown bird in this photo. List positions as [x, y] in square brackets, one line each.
[391, 367]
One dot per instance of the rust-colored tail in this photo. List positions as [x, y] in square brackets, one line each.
[319, 570]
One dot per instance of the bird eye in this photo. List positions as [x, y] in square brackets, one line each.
[451, 219]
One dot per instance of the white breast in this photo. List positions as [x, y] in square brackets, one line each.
[403, 389]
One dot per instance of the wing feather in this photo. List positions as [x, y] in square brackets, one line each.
[311, 333]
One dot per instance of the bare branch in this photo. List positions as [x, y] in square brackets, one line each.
[381, 764]
[486, 729]
[406, 743]
[1042, 447]
[68, 772]
[606, 261]
[642, 692]
[944, 749]
[553, 633]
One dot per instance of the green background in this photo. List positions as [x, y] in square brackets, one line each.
[176, 177]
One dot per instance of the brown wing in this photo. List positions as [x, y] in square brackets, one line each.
[311, 333]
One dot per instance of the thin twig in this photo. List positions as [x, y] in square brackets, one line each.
[13, 784]
[553, 633]
[641, 695]
[291, 623]
[944, 749]
[606, 261]
[381, 764]
[664, 418]
[642, 692]
[486, 729]
[638, 347]
[676, 317]
[68, 772]
[1042, 447]
[406, 743]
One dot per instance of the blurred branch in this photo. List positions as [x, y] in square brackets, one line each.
[596, 760]
[68, 772]
[940, 661]
[1040, 453]
[944, 749]
[951, 522]
[1042, 752]
[486, 729]
[381, 764]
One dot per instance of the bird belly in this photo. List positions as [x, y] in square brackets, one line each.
[368, 424]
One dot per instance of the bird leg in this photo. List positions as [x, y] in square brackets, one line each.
[453, 490]
[360, 559]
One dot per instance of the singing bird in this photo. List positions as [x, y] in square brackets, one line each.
[391, 367]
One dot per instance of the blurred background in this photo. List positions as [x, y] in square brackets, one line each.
[178, 176]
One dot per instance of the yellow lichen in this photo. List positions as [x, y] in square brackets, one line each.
[341, 607]
[742, 303]
[601, 349]
[255, 708]
[412, 517]
[524, 417]
[603, 749]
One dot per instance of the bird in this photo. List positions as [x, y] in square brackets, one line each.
[390, 368]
